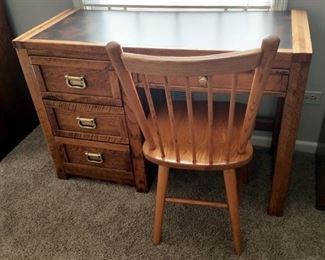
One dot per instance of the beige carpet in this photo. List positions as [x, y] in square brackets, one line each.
[42, 217]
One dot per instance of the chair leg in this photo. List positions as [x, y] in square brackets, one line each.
[163, 173]
[232, 198]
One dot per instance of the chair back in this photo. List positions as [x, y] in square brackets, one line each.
[137, 70]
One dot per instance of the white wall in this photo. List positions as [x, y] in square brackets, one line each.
[24, 14]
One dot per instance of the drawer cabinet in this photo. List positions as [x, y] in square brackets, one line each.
[84, 111]
[90, 129]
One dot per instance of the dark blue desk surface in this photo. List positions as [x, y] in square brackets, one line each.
[175, 30]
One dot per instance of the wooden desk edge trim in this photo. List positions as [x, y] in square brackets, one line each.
[41, 27]
[91, 51]
[301, 40]
[39, 43]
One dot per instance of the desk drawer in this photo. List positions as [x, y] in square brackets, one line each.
[95, 154]
[118, 176]
[277, 83]
[84, 81]
[87, 121]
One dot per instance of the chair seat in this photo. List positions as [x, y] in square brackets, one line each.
[200, 124]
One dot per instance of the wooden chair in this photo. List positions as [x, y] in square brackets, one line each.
[195, 135]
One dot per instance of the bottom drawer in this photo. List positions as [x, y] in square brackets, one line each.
[105, 174]
[96, 160]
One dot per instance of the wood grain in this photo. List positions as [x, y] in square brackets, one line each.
[190, 118]
[110, 121]
[302, 52]
[231, 114]
[112, 159]
[153, 114]
[97, 52]
[106, 174]
[301, 39]
[115, 156]
[41, 111]
[169, 139]
[276, 84]
[233, 205]
[232, 62]
[203, 203]
[259, 59]
[287, 136]
[219, 133]
[141, 175]
[58, 38]
[269, 49]
[171, 117]
[163, 174]
[101, 81]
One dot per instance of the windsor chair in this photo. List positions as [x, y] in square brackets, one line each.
[191, 134]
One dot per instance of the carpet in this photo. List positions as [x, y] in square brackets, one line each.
[43, 217]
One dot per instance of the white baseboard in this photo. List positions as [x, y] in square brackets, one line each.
[306, 146]
[301, 146]
[262, 141]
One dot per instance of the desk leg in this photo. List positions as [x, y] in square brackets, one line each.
[276, 126]
[32, 84]
[289, 126]
[135, 138]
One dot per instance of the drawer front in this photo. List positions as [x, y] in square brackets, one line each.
[95, 154]
[277, 83]
[87, 121]
[84, 81]
[118, 176]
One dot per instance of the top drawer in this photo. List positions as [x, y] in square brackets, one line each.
[276, 84]
[85, 81]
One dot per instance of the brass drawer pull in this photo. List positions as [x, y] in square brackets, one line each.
[203, 81]
[75, 82]
[87, 123]
[94, 157]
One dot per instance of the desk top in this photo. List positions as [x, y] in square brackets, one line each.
[184, 30]
[173, 30]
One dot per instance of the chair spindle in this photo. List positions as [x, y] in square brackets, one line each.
[210, 120]
[153, 113]
[171, 117]
[190, 118]
[232, 107]
[269, 49]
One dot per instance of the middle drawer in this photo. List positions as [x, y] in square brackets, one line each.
[87, 121]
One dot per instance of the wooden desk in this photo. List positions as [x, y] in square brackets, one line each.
[76, 39]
